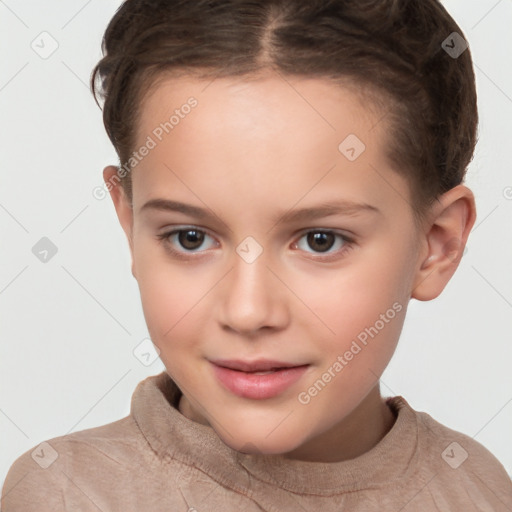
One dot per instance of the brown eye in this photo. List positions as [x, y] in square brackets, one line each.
[190, 239]
[320, 241]
[184, 241]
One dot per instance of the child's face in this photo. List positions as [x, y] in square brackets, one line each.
[248, 153]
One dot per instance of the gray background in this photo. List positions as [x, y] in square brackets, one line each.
[70, 325]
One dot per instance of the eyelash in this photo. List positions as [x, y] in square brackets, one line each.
[164, 239]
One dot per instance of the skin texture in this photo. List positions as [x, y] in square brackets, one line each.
[249, 152]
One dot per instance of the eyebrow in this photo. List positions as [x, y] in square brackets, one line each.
[326, 209]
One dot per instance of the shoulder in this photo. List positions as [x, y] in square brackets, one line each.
[456, 449]
[48, 470]
[458, 468]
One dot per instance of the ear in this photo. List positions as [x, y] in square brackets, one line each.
[122, 205]
[450, 223]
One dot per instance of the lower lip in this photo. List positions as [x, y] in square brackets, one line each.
[258, 387]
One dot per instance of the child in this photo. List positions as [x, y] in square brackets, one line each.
[248, 133]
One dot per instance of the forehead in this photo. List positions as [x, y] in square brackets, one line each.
[250, 135]
[258, 103]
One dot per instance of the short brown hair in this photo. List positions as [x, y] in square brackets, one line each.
[391, 49]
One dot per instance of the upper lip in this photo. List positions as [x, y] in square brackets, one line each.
[260, 365]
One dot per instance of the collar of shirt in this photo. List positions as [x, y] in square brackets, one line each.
[171, 435]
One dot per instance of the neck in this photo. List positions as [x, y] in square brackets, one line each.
[355, 435]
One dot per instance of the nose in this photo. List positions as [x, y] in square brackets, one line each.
[253, 297]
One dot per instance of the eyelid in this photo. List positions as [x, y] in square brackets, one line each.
[344, 233]
[349, 240]
[348, 243]
[173, 230]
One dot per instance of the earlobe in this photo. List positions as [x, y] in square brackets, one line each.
[124, 209]
[453, 217]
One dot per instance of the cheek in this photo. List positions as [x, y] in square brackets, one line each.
[357, 312]
[171, 296]
[346, 300]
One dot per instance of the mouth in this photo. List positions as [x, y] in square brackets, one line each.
[262, 365]
[257, 380]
